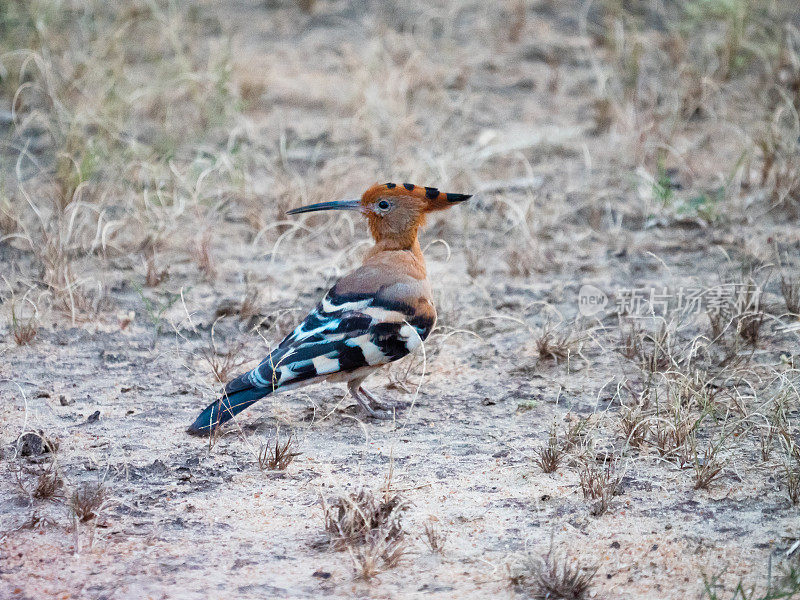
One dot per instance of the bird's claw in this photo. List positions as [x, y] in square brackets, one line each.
[371, 405]
[382, 415]
[375, 402]
[372, 411]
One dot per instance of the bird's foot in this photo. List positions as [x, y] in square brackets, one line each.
[371, 405]
[376, 413]
[374, 401]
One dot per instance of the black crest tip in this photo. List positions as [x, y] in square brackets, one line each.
[458, 197]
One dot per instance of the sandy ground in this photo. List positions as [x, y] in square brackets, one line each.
[185, 519]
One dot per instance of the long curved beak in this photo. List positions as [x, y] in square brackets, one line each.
[336, 205]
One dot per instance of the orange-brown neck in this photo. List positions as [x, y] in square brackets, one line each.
[394, 238]
[409, 259]
[398, 230]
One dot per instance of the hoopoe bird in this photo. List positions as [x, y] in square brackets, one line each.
[372, 316]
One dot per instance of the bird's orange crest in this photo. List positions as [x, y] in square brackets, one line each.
[432, 198]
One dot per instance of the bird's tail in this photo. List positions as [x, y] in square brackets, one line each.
[224, 409]
[240, 393]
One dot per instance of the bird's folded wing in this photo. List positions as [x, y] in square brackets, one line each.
[344, 333]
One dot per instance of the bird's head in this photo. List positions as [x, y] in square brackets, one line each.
[394, 211]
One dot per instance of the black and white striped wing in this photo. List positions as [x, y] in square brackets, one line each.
[342, 334]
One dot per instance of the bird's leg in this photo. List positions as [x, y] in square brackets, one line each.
[365, 403]
[374, 400]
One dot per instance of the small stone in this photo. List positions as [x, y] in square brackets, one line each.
[30, 444]
[615, 545]
[113, 356]
[322, 574]
[64, 401]
[95, 416]
[34, 444]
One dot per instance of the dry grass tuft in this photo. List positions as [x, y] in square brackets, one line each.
[555, 576]
[672, 431]
[521, 261]
[552, 345]
[791, 468]
[250, 306]
[378, 553]
[707, 466]
[766, 441]
[790, 290]
[48, 481]
[87, 501]
[634, 421]
[783, 587]
[224, 364]
[549, 457]
[576, 432]
[205, 260]
[475, 264]
[749, 327]
[349, 519]
[276, 456]
[657, 351]
[780, 159]
[599, 483]
[434, 539]
[23, 330]
[369, 529]
[631, 341]
[247, 310]
[48, 484]
[153, 275]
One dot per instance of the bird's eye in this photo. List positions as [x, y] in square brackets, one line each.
[383, 205]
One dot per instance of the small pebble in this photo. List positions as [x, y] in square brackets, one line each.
[34, 444]
[30, 444]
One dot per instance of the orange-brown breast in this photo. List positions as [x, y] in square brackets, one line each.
[392, 275]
